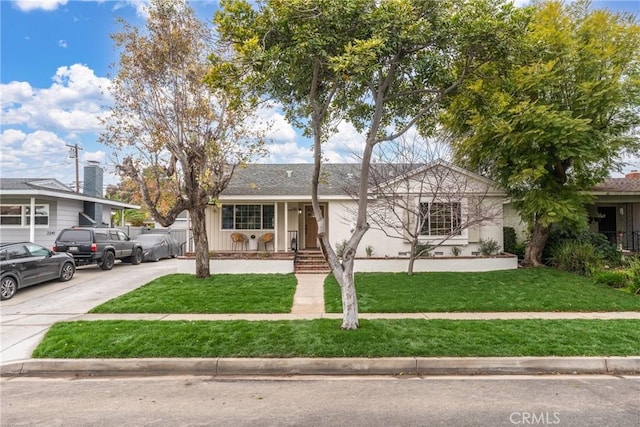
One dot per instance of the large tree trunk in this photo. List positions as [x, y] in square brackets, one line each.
[348, 291]
[533, 251]
[198, 224]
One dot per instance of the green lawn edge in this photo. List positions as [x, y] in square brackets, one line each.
[323, 338]
[217, 294]
[522, 290]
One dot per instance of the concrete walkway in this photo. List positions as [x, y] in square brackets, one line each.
[309, 296]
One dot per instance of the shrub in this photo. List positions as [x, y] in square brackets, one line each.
[340, 247]
[520, 248]
[576, 257]
[608, 251]
[422, 251]
[488, 247]
[634, 275]
[368, 250]
[456, 251]
[614, 278]
[510, 240]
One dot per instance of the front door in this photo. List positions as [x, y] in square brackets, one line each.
[311, 227]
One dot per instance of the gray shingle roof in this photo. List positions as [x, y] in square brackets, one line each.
[291, 180]
[32, 184]
[619, 185]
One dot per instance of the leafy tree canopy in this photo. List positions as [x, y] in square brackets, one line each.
[552, 120]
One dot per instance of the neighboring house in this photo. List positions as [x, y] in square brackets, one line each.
[36, 209]
[276, 198]
[615, 211]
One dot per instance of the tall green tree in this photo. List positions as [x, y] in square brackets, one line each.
[177, 137]
[552, 121]
[383, 65]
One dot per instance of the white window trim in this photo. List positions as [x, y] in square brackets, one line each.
[248, 230]
[23, 216]
[443, 240]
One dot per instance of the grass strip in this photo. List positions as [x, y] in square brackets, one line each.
[529, 289]
[224, 293]
[323, 338]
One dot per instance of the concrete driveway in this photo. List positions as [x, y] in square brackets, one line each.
[28, 315]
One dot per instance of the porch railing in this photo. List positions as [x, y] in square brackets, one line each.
[628, 240]
[292, 238]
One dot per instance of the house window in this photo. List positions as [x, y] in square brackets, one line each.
[11, 215]
[440, 219]
[248, 217]
[20, 215]
[42, 215]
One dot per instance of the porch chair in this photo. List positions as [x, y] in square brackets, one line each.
[265, 239]
[239, 239]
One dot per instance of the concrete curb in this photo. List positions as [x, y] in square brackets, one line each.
[325, 366]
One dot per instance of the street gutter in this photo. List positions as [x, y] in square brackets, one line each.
[416, 366]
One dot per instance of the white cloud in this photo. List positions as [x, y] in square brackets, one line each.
[288, 152]
[345, 146]
[37, 154]
[276, 126]
[72, 103]
[42, 144]
[140, 6]
[12, 137]
[15, 92]
[48, 5]
[95, 156]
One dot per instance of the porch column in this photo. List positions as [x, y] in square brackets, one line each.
[286, 226]
[275, 226]
[32, 220]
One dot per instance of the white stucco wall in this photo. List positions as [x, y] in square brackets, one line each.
[238, 266]
[342, 221]
[395, 265]
[512, 219]
[437, 264]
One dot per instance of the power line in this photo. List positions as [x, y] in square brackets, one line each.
[32, 167]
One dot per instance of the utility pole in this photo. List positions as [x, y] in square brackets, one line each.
[73, 154]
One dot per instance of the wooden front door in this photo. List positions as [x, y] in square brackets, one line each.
[311, 228]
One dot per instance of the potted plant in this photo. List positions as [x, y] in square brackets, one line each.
[253, 243]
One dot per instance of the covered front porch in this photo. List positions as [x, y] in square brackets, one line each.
[263, 225]
[619, 220]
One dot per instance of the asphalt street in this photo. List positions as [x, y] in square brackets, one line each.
[575, 400]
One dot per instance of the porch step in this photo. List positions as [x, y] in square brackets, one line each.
[311, 262]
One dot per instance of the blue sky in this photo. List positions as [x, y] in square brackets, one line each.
[55, 60]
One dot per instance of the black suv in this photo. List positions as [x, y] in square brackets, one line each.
[98, 245]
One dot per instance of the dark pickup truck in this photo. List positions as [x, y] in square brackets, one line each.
[102, 246]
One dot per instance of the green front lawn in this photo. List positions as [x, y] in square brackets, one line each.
[223, 293]
[323, 338]
[531, 289]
